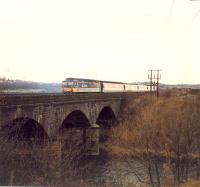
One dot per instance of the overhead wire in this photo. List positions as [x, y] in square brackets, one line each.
[171, 9]
[197, 13]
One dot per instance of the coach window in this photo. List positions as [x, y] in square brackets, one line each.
[75, 84]
[80, 85]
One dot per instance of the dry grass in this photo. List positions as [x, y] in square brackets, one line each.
[156, 119]
[157, 130]
[193, 183]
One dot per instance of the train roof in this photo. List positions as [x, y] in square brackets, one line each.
[90, 80]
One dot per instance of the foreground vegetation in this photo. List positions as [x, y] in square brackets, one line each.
[163, 134]
[32, 163]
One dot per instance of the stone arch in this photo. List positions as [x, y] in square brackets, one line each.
[24, 128]
[23, 139]
[75, 119]
[72, 132]
[106, 117]
[105, 120]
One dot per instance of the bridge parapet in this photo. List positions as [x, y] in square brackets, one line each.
[53, 99]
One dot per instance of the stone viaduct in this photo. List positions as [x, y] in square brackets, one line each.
[46, 116]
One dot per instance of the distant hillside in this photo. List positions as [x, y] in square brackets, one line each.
[192, 86]
[170, 86]
[17, 85]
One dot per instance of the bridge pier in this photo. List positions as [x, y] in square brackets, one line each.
[84, 138]
[92, 140]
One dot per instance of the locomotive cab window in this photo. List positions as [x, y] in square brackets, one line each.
[68, 84]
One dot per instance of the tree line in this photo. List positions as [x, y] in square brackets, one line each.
[6, 84]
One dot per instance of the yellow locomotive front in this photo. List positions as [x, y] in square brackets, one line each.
[68, 87]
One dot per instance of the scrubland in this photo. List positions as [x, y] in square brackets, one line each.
[163, 134]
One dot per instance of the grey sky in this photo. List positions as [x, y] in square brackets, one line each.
[49, 40]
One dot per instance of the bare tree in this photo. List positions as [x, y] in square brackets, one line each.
[166, 131]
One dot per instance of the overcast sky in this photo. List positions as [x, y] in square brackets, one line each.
[117, 40]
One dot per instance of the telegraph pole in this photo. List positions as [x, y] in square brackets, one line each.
[150, 77]
[154, 78]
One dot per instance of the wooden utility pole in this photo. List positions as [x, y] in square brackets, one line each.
[150, 78]
[154, 78]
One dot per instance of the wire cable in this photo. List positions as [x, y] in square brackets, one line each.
[195, 16]
[171, 10]
[197, 13]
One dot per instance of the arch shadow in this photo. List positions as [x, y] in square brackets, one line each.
[72, 132]
[22, 143]
[106, 118]
[24, 128]
[76, 119]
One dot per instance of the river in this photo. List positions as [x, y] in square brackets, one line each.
[108, 171]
